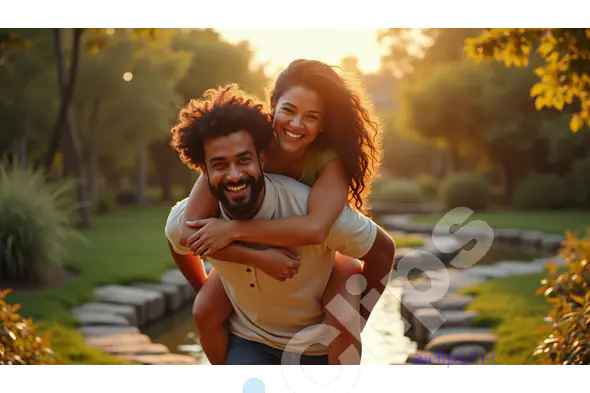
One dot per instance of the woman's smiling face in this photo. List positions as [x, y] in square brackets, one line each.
[297, 118]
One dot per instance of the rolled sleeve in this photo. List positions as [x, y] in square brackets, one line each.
[353, 234]
[172, 228]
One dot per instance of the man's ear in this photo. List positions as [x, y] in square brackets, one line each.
[262, 158]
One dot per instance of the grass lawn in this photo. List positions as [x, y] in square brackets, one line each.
[510, 305]
[124, 246]
[409, 241]
[556, 222]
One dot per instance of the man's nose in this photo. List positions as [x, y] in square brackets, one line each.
[234, 174]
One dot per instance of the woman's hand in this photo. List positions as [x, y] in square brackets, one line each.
[213, 235]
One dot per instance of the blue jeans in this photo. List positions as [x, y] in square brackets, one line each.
[246, 352]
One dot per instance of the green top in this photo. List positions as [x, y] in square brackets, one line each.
[314, 161]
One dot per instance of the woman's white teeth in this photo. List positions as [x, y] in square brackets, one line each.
[236, 188]
[292, 135]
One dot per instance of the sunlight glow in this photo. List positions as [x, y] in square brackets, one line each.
[127, 76]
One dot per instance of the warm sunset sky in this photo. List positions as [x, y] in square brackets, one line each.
[279, 47]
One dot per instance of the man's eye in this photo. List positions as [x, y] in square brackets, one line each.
[244, 161]
[219, 167]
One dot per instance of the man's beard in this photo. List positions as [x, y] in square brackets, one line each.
[239, 209]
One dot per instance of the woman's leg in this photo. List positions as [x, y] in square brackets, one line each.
[211, 310]
[342, 302]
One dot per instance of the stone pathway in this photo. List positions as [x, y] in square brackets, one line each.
[449, 333]
[113, 322]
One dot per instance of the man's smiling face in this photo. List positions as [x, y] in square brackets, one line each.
[234, 173]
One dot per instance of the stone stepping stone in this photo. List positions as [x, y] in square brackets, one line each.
[475, 353]
[90, 317]
[427, 320]
[486, 271]
[166, 359]
[432, 358]
[137, 349]
[452, 301]
[175, 277]
[172, 293]
[509, 236]
[516, 267]
[557, 260]
[129, 312]
[447, 342]
[532, 238]
[454, 330]
[117, 340]
[552, 242]
[392, 221]
[458, 277]
[151, 304]
[107, 330]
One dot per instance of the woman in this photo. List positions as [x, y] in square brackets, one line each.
[325, 138]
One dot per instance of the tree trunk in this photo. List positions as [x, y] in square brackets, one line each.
[66, 92]
[92, 151]
[141, 177]
[163, 158]
[72, 146]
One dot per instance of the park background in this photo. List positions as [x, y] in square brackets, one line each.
[506, 136]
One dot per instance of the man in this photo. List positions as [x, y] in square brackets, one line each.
[273, 319]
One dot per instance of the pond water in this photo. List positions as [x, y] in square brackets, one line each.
[383, 339]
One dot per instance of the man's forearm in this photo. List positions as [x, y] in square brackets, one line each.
[238, 253]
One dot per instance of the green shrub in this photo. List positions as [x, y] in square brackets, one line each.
[106, 202]
[396, 191]
[36, 218]
[428, 184]
[541, 192]
[19, 342]
[580, 181]
[568, 341]
[465, 189]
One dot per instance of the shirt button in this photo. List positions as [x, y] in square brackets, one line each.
[251, 285]
[248, 270]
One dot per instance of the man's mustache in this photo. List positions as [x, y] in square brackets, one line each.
[246, 182]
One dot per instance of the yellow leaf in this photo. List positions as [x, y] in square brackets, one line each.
[537, 89]
[540, 71]
[577, 299]
[558, 100]
[540, 102]
[540, 291]
[576, 123]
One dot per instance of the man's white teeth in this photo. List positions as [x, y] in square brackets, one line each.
[292, 135]
[236, 188]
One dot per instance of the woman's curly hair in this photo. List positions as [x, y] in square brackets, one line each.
[348, 126]
[220, 112]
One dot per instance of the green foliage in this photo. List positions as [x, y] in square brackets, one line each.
[465, 189]
[563, 78]
[580, 181]
[428, 184]
[20, 344]
[106, 202]
[396, 191]
[568, 341]
[36, 218]
[542, 191]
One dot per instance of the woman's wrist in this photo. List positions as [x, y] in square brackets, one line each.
[235, 230]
